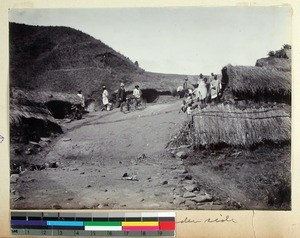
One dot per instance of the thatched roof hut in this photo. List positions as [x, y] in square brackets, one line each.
[228, 125]
[29, 118]
[258, 83]
[58, 103]
[28, 110]
[44, 96]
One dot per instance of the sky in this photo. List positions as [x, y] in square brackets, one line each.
[182, 40]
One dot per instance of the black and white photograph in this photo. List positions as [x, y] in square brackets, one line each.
[178, 108]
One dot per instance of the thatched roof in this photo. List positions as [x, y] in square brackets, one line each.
[28, 105]
[226, 124]
[258, 81]
[18, 111]
[44, 96]
[282, 64]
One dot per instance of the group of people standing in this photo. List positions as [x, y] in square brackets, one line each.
[209, 89]
[122, 99]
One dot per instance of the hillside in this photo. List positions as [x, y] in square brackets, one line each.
[280, 59]
[62, 59]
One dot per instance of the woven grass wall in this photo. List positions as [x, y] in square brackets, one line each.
[226, 124]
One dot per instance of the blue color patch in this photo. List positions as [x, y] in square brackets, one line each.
[64, 223]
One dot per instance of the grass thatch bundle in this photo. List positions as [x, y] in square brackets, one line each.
[18, 112]
[29, 118]
[43, 96]
[251, 82]
[228, 125]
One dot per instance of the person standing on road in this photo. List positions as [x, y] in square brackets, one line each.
[137, 94]
[121, 95]
[105, 98]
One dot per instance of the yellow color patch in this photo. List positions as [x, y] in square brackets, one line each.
[139, 223]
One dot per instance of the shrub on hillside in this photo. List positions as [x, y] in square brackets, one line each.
[282, 53]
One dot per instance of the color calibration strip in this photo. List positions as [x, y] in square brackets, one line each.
[93, 224]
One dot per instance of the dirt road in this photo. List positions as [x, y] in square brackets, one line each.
[99, 154]
[115, 160]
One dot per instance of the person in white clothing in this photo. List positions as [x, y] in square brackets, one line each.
[137, 94]
[201, 90]
[81, 97]
[196, 92]
[105, 98]
[78, 109]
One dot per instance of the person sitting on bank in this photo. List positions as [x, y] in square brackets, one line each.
[187, 105]
[137, 94]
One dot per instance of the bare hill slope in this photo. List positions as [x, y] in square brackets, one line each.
[62, 59]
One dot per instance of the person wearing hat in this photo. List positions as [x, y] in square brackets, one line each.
[105, 98]
[121, 96]
[137, 94]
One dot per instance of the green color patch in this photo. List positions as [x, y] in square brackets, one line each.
[103, 223]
